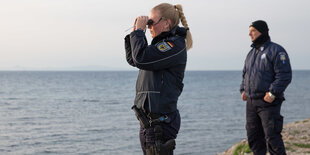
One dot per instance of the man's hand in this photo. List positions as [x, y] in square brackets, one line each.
[268, 98]
[140, 22]
[243, 97]
[134, 25]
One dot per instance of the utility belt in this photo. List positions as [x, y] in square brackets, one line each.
[147, 120]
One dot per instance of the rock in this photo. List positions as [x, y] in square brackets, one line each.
[296, 137]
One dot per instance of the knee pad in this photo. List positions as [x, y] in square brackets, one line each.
[151, 151]
[160, 148]
[164, 149]
[167, 148]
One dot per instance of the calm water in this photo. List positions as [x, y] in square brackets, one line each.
[89, 112]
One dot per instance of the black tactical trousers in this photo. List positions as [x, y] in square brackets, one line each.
[170, 131]
[264, 125]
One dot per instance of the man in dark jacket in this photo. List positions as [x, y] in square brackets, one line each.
[266, 74]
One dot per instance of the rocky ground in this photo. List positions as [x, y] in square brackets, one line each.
[296, 137]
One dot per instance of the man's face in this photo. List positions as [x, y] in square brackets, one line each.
[254, 34]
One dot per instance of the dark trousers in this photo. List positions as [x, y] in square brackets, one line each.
[170, 131]
[264, 125]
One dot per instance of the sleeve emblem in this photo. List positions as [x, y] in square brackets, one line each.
[282, 57]
[164, 46]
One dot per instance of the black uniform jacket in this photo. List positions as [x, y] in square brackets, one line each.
[266, 69]
[162, 66]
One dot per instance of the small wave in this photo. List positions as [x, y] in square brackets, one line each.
[37, 143]
[14, 145]
[25, 118]
[12, 98]
[15, 108]
[46, 151]
[85, 100]
[58, 135]
[32, 99]
[113, 102]
[96, 130]
[5, 103]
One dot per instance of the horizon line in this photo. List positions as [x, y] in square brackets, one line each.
[125, 70]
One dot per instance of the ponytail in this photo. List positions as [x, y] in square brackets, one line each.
[175, 14]
[189, 41]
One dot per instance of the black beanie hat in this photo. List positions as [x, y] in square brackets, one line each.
[261, 26]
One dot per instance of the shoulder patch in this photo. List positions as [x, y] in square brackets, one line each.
[282, 57]
[164, 46]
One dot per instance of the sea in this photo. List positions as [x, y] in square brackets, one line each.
[89, 112]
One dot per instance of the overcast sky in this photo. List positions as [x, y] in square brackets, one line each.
[89, 34]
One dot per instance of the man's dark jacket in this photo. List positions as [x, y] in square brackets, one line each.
[266, 69]
[162, 65]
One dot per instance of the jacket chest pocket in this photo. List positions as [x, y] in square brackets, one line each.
[261, 65]
[265, 63]
[262, 62]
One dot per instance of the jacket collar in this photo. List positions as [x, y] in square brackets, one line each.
[179, 31]
[264, 46]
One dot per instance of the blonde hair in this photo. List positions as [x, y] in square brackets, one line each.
[175, 14]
